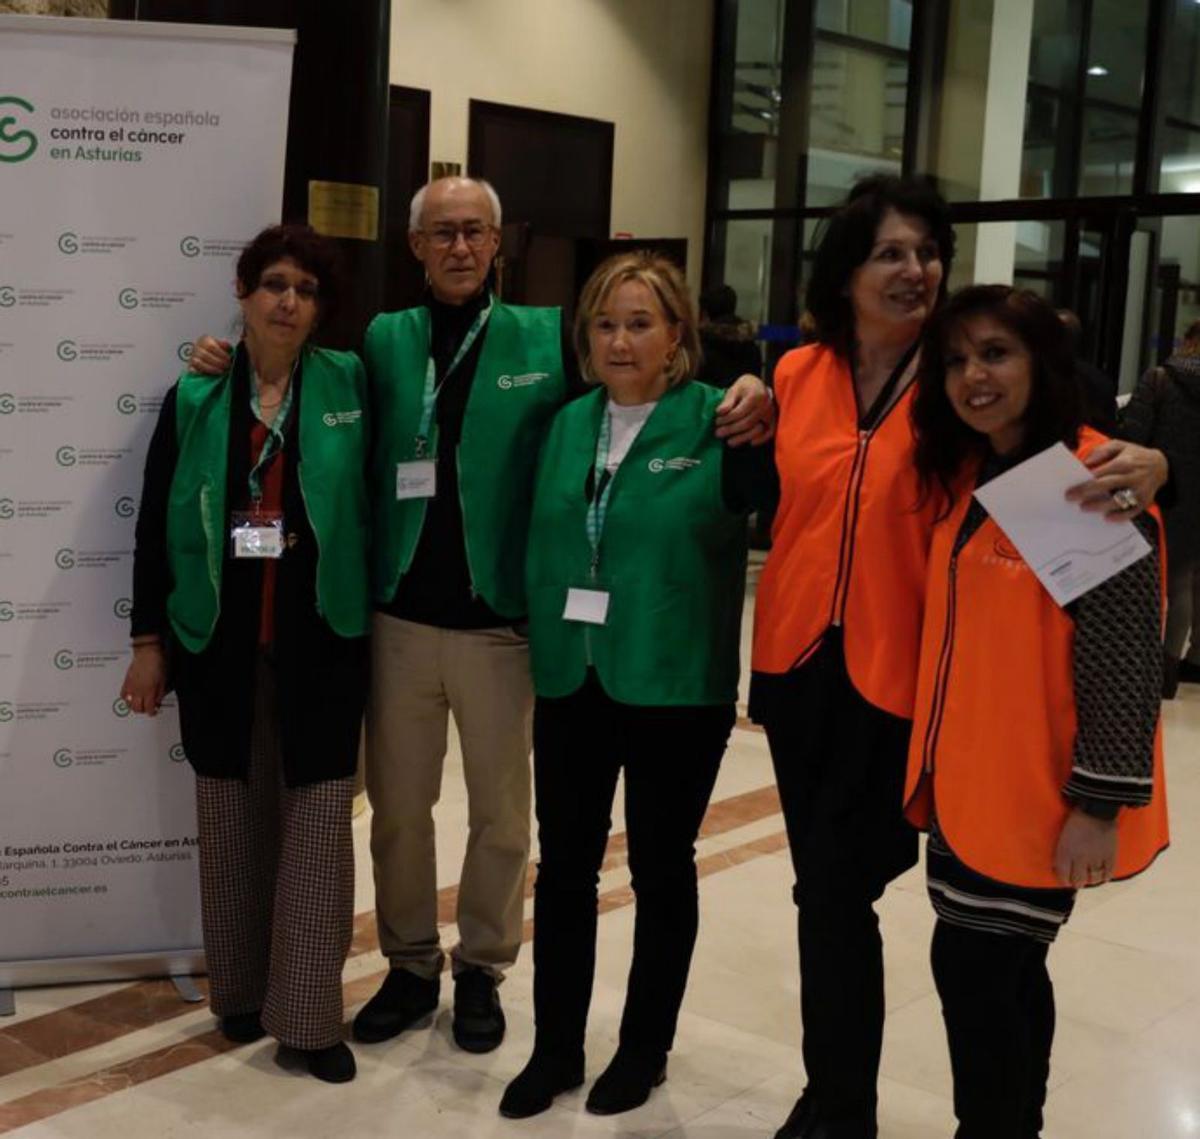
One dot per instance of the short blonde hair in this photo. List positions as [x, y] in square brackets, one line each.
[662, 277]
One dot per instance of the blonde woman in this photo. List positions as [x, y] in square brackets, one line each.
[635, 577]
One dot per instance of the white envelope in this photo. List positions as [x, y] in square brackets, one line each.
[1069, 550]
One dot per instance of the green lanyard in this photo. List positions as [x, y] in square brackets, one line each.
[273, 444]
[602, 482]
[434, 389]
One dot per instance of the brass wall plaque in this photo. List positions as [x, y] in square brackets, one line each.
[344, 209]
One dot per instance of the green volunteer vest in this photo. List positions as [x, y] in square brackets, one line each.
[672, 557]
[518, 385]
[333, 448]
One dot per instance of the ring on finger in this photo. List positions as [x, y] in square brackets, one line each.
[1126, 498]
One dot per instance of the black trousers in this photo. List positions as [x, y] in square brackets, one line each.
[998, 1005]
[839, 764]
[670, 757]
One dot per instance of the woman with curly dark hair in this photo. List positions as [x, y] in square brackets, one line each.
[1036, 755]
[250, 579]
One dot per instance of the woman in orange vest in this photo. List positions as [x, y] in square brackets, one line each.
[838, 618]
[1036, 755]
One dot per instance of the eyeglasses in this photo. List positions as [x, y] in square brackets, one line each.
[446, 236]
[277, 286]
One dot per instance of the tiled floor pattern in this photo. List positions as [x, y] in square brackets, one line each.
[132, 1061]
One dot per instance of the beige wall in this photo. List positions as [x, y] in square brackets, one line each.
[642, 64]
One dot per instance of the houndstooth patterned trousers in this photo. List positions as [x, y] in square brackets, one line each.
[276, 889]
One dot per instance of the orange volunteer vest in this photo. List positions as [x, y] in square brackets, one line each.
[849, 546]
[995, 723]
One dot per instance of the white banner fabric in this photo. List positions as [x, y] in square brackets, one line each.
[135, 162]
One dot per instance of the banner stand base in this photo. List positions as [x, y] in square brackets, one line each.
[187, 989]
[8, 1004]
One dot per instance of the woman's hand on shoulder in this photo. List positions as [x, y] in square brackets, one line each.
[747, 413]
[1118, 466]
[210, 356]
[1087, 850]
[145, 682]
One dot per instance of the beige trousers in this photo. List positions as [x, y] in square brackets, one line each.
[421, 674]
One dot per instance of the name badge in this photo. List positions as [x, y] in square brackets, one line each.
[257, 536]
[589, 606]
[416, 479]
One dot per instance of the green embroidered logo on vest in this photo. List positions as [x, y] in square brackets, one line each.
[507, 383]
[680, 463]
[341, 418]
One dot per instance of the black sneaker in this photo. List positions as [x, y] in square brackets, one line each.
[533, 1091]
[334, 1065]
[404, 1001]
[478, 1017]
[627, 1082]
[242, 1028]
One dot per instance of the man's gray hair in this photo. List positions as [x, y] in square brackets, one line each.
[418, 201]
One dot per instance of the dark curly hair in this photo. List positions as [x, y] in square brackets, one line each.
[847, 238]
[314, 254]
[944, 443]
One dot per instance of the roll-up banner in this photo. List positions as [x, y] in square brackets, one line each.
[135, 161]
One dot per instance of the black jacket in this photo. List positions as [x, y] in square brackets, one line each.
[322, 677]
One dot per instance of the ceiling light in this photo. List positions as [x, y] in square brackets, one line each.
[1096, 69]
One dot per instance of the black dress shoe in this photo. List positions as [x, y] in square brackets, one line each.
[403, 1001]
[627, 1082]
[801, 1116]
[243, 1028]
[478, 1018]
[334, 1065]
[533, 1090]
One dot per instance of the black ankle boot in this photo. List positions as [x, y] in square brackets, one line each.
[334, 1065]
[627, 1081]
[242, 1027]
[534, 1089]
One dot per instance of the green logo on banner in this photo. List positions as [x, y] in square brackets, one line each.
[7, 404]
[177, 753]
[125, 507]
[184, 351]
[6, 711]
[65, 456]
[190, 247]
[6, 611]
[15, 145]
[122, 607]
[68, 242]
[63, 757]
[67, 350]
[64, 659]
[7, 508]
[128, 298]
[8, 296]
[120, 708]
[65, 558]
[127, 404]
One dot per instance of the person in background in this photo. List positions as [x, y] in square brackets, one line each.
[251, 581]
[1164, 412]
[727, 343]
[1099, 392]
[463, 386]
[636, 582]
[1036, 756]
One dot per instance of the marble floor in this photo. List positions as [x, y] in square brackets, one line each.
[130, 1061]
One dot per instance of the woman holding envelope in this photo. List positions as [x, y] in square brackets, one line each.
[1036, 754]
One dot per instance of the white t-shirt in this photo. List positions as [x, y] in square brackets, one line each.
[626, 420]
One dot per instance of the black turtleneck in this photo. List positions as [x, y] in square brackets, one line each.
[436, 590]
